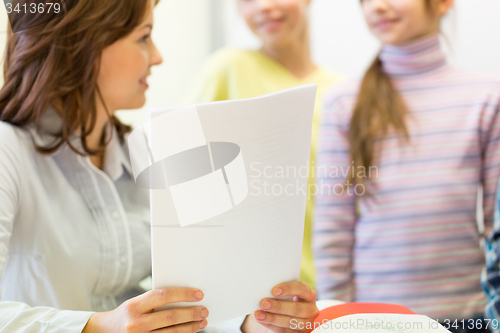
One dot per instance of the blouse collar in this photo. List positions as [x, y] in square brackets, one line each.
[115, 156]
[417, 57]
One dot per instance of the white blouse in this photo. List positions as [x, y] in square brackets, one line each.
[72, 237]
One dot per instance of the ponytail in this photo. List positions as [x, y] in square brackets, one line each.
[379, 107]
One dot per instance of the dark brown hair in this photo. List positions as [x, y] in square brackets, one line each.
[379, 107]
[57, 64]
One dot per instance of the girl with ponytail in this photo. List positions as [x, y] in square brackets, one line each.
[401, 155]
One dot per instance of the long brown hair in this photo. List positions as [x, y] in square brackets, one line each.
[57, 64]
[379, 107]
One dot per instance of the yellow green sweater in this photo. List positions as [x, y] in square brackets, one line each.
[237, 74]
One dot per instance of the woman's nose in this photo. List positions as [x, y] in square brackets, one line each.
[156, 58]
[265, 5]
[380, 5]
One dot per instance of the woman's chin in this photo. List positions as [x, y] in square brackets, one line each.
[391, 37]
[140, 100]
[137, 103]
[390, 41]
[277, 41]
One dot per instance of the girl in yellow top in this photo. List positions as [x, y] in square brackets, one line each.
[284, 61]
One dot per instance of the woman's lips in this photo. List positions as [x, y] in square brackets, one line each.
[144, 84]
[385, 25]
[271, 25]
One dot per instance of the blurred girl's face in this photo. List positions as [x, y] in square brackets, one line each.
[126, 65]
[400, 21]
[276, 22]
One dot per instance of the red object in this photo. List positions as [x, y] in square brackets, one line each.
[346, 309]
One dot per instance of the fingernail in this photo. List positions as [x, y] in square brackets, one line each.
[277, 291]
[199, 295]
[203, 324]
[260, 315]
[204, 313]
[266, 305]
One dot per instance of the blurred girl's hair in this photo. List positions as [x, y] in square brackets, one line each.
[56, 64]
[379, 107]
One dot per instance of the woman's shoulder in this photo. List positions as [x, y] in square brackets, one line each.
[226, 56]
[342, 95]
[13, 137]
[339, 102]
[475, 86]
[326, 76]
[228, 59]
[473, 78]
[15, 143]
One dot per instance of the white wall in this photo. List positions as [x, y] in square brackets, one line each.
[341, 41]
[478, 35]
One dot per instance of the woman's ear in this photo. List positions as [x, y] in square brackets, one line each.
[444, 6]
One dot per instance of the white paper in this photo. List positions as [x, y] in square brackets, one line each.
[201, 198]
[236, 251]
[174, 132]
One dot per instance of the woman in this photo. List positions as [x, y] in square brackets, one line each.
[419, 136]
[283, 61]
[74, 233]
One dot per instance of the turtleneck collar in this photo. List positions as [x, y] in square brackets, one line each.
[417, 57]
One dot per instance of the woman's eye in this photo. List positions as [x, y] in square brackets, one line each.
[145, 38]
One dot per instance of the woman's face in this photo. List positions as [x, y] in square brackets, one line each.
[126, 65]
[276, 22]
[399, 21]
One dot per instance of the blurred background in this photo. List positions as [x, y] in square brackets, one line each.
[188, 31]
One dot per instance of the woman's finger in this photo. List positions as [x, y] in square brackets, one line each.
[153, 299]
[295, 288]
[185, 328]
[285, 322]
[277, 329]
[292, 309]
[163, 319]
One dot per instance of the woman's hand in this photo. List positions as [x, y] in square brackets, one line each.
[137, 314]
[284, 316]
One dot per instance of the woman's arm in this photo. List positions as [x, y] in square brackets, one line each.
[14, 316]
[138, 315]
[490, 277]
[335, 209]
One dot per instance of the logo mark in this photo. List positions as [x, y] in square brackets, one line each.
[205, 179]
[26, 14]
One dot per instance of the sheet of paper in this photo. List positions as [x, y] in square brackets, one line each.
[228, 187]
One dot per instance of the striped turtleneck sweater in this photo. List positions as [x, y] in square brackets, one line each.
[415, 240]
